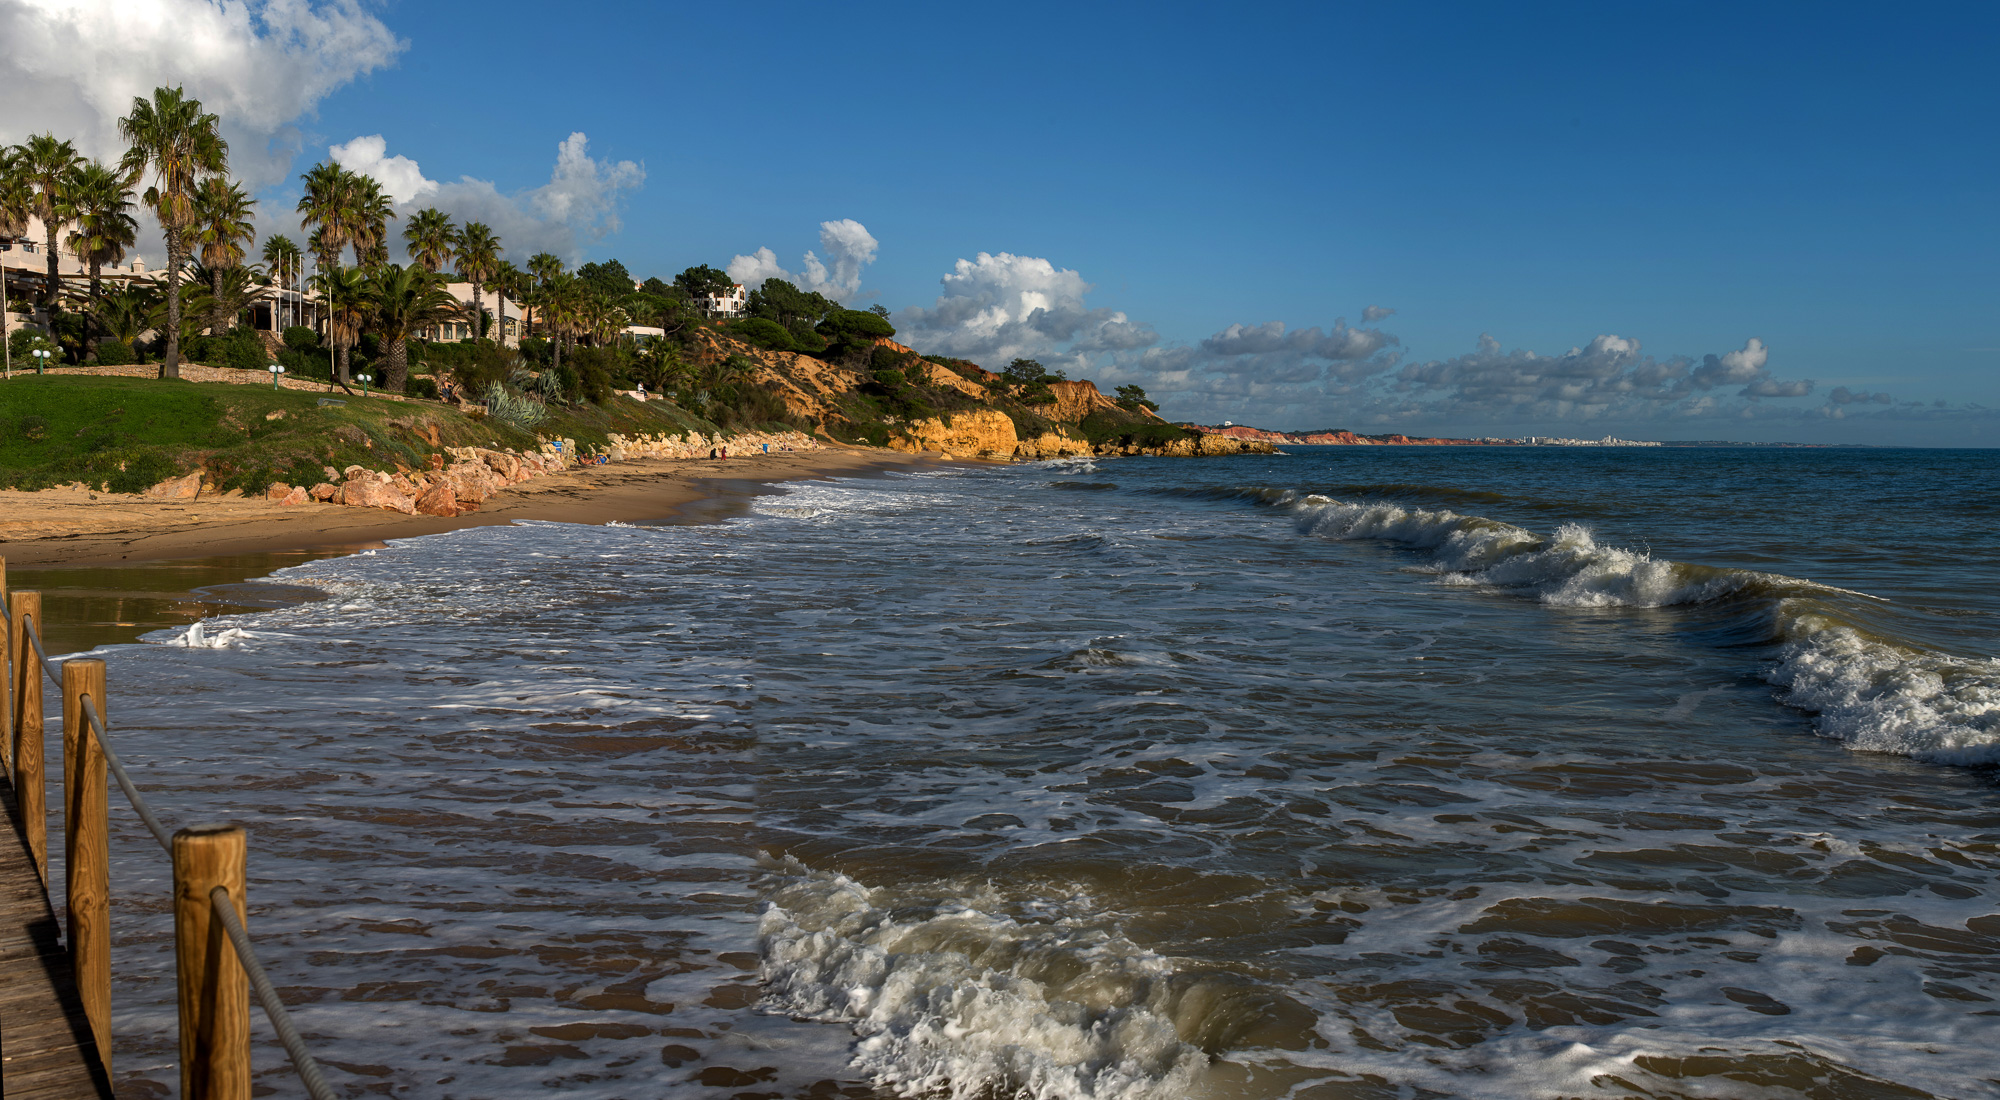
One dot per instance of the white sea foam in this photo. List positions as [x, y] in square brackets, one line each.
[1879, 697]
[199, 636]
[1870, 694]
[963, 1002]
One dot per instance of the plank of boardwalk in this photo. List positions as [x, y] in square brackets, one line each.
[46, 1052]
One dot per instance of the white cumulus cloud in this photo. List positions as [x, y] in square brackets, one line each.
[579, 203]
[849, 248]
[73, 67]
[999, 307]
[399, 176]
[1372, 314]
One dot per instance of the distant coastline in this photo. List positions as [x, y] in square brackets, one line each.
[1341, 437]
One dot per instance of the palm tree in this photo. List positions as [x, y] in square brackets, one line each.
[222, 227]
[404, 300]
[478, 257]
[561, 302]
[504, 284]
[281, 262]
[17, 202]
[224, 295]
[48, 163]
[544, 266]
[100, 205]
[429, 235]
[327, 211]
[179, 143]
[129, 311]
[345, 291]
[372, 210]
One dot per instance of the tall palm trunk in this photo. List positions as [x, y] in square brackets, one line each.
[170, 366]
[90, 339]
[49, 290]
[397, 376]
[500, 324]
[478, 311]
[215, 314]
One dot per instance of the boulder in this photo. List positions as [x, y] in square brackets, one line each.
[331, 473]
[177, 488]
[369, 493]
[441, 500]
[472, 482]
[325, 490]
[404, 486]
[505, 465]
[353, 472]
[278, 491]
[298, 495]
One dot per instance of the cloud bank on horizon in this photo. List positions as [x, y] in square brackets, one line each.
[998, 307]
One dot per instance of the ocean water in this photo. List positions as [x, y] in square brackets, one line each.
[1346, 773]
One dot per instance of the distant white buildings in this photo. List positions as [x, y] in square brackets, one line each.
[730, 304]
[1607, 441]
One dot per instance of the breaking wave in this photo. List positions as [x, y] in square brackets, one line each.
[953, 996]
[1873, 693]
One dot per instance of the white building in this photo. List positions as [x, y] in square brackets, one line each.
[731, 304]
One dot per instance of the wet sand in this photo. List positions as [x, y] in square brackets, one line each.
[79, 527]
[113, 567]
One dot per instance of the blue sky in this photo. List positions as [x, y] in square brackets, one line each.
[1686, 179]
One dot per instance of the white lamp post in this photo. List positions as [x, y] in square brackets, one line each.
[276, 370]
[364, 379]
[41, 358]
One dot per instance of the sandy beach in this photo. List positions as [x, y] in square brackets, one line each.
[80, 527]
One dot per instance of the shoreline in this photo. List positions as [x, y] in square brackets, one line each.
[78, 527]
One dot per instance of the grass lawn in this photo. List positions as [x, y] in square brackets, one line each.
[125, 434]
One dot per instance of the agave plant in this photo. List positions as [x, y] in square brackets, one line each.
[510, 408]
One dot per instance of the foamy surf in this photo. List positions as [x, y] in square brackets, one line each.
[1874, 695]
[953, 997]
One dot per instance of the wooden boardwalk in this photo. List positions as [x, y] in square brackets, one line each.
[46, 1050]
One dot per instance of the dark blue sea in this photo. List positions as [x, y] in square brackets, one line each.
[1346, 773]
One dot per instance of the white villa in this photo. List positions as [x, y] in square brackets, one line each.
[731, 304]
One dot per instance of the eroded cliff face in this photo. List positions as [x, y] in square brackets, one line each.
[974, 433]
[988, 433]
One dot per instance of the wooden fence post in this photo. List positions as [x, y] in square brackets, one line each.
[87, 846]
[28, 753]
[214, 993]
[6, 693]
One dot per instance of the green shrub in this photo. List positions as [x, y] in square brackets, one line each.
[762, 333]
[242, 349]
[115, 353]
[424, 386]
[300, 338]
[142, 472]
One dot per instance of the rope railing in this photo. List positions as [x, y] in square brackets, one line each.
[302, 1059]
[209, 871]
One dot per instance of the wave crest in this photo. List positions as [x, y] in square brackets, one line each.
[953, 997]
[1873, 694]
